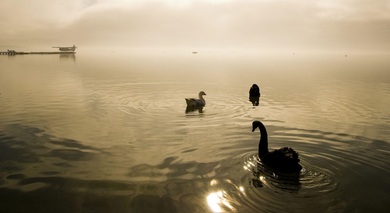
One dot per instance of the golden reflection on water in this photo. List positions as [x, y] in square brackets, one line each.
[219, 200]
[222, 200]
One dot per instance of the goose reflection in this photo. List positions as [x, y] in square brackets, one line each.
[190, 109]
[254, 95]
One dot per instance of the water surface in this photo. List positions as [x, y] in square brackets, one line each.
[110, 133]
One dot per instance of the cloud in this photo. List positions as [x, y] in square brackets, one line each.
[266, 24]
[357, 10]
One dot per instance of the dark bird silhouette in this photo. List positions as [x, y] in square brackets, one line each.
[283, 160]
[254, 95]
[192, 102]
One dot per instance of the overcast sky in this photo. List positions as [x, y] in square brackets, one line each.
[289, 25]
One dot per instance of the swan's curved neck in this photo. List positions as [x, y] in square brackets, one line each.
[263, 144]
[201, 98]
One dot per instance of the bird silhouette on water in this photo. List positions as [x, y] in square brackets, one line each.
[196, 104]
[283, 160]
[193, 102]
[254, 95]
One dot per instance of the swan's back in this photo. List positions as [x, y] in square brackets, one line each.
[283, 160]
[254, 91]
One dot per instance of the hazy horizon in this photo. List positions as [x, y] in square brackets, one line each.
[250, 25]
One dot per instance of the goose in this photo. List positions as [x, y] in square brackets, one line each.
[192, 102]
[283, 160]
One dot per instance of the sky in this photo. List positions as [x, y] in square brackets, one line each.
[264, 25]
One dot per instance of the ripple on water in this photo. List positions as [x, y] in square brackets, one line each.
[309, 182]
[333, 164]
[220, 106]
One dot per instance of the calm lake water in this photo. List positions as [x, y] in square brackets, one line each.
[110, 133]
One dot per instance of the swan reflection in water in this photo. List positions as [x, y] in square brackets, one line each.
[254, 95]
[264, 176]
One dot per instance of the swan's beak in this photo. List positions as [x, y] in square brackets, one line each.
[253, 129]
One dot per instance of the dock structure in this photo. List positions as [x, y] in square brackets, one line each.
[9, 52]
[13, 52]
[62, 50]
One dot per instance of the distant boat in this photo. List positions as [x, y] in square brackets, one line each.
[67, 49]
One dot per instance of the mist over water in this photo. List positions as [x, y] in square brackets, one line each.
[109, 132]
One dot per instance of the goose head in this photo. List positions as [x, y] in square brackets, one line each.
[201, 93]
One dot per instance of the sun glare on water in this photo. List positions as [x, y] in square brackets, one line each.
[217, 200]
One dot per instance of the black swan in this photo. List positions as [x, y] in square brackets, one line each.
[192, 102]
[254, 95]
[282, 160]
